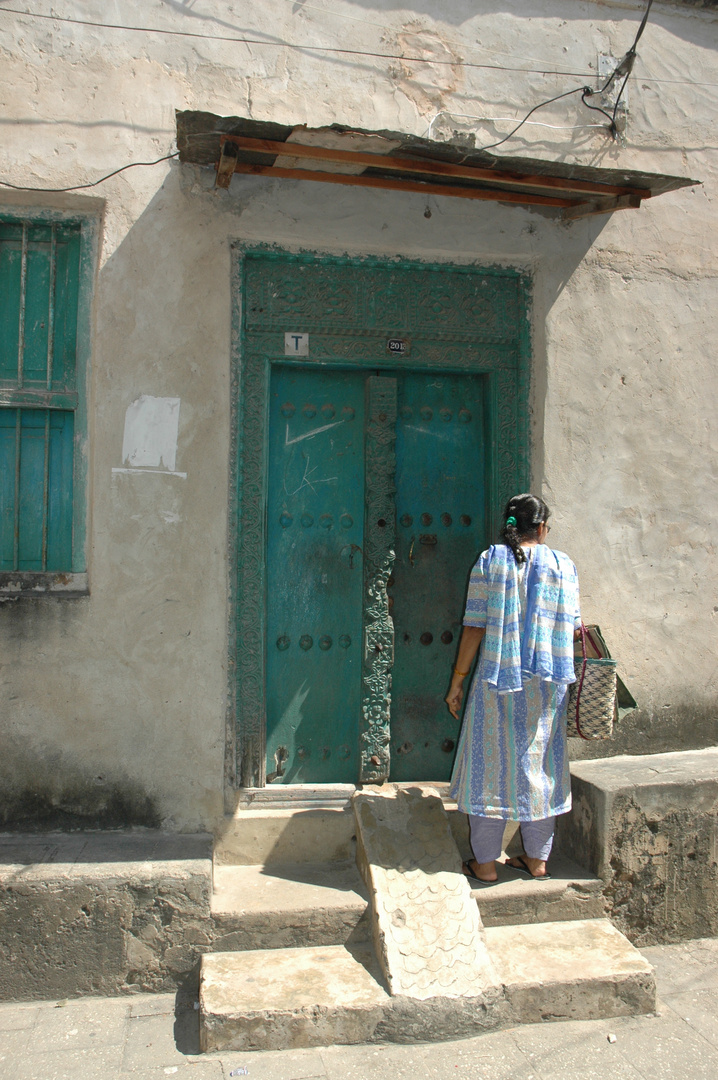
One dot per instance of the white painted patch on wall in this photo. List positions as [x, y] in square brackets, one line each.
[150, 439]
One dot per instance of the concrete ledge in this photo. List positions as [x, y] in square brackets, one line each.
[101, 913]
[648, 826]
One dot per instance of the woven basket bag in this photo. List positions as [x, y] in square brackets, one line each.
[592, 698]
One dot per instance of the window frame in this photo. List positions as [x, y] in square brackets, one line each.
[75, 580]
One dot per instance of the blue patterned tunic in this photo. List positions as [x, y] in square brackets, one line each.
[512, 759]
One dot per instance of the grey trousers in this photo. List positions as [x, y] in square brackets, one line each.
[487, 834]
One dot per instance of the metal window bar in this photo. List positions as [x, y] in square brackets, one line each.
[51, 309]
[23, 293]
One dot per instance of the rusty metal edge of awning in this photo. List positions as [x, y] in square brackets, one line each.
[233, 144]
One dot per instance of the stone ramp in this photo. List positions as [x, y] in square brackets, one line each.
[426, 928]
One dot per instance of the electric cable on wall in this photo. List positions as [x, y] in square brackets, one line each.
[93, 183]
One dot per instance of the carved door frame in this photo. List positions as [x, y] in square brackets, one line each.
[496, 346]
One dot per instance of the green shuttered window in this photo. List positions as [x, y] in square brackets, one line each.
[39, 290]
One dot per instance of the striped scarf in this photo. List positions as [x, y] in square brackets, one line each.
[544, 645]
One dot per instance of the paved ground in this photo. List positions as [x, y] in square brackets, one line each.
[151, 1037]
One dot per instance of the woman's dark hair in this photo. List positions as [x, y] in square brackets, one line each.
[527, 512]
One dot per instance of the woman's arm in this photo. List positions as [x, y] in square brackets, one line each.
[471, 638]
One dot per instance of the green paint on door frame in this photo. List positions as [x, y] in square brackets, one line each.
[499, 349]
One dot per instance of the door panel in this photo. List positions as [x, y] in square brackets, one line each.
[319, 487]
[314, 575]
[440, 527]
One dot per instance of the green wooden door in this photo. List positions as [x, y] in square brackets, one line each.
[315, 527]
[440, 512]
[320, 519]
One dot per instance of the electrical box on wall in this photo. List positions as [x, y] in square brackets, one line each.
[607, 64]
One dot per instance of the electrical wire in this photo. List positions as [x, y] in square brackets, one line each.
[507, 120]
[568, 93]
[625, 67]
[94, 183]
[632, 54]
[289, 45]
[330, 49]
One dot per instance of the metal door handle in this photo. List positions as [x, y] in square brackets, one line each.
[353, 549]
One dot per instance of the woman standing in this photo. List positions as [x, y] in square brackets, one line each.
[512, 760]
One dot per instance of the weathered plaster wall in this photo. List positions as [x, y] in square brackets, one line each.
[114, 705]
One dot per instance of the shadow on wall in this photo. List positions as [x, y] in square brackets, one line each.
[456, 14]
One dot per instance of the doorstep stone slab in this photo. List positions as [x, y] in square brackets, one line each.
[89, 913]
[648, 825]
[280, 905]
[426, 928]
[582, 970]
[288, 999]
[259, 836]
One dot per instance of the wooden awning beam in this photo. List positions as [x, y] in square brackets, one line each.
[426, 188]
[430, 167]
[593, 207]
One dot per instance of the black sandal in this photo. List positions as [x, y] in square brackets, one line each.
[469, 873]
[524, 868]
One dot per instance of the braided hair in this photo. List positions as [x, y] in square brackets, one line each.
[522, 517]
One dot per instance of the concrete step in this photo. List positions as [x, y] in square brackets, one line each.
[269, 1000]
[515, 900]
[294, 834]
[284, 826]
[282, 905]
[581, 970]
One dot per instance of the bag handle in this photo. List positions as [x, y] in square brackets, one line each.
[589, 636]
[580, 683]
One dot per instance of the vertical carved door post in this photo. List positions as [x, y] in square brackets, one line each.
[379, 546]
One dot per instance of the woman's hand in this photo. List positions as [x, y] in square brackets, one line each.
[471, 638]
[455, 695]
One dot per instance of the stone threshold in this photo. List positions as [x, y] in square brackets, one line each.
[318, 796]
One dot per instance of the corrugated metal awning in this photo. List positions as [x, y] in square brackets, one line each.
[388, 159]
